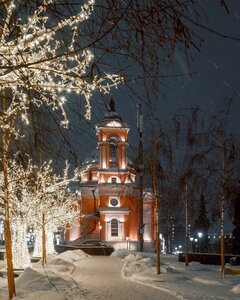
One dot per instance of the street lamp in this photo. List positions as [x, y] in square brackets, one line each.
[191, 239]
[200, 235]
[196, 240]
[100, 228]
[127, 238]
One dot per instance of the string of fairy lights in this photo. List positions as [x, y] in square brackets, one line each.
[36, 66]
[33, 191]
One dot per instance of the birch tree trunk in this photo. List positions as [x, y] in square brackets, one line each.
[44, 260]
[37, 252]
[222, 243]
[49, 243]
[157, 202]
[7, 231]
[21, 257]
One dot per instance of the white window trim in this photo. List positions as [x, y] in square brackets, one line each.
[120, 236]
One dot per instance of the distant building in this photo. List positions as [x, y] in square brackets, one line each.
[108, 196]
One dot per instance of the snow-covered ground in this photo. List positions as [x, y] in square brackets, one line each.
[76, 275]
[196, 281]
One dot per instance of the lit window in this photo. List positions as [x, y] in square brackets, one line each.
[114, 227]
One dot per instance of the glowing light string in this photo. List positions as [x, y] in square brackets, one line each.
[37, 66]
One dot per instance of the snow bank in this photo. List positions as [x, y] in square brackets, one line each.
[3, 282]
[122, 252]
[173, 269]
[53, 281]
[33, 280]
[67, 258]
[135, 263]
[56, 280]
[196, 266]
[236, 289]
[207, 281]
[2, 264]
[175, 277]
[73, 255]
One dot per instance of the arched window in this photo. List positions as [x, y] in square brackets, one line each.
[114, 227]
[113, 141]
[113, 138]
[114, 180]
[113, 152]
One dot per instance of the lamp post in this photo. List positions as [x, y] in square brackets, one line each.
[195, 244]
[127, 238]
[200, 234]
[141, 171]
[191, 239]
[100, 228]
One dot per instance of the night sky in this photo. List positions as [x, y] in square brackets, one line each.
[215, 76]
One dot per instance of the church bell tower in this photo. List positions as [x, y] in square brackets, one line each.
[108, 195]
[112, 145]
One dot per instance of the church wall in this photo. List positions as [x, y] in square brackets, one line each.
[88, 206]
[117, 220]
[103, 230]
[148, 209]
[134, 219]
[126, 226]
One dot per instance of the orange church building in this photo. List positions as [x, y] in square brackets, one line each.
[108, 197]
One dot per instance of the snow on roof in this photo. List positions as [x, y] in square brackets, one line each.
[92, 158]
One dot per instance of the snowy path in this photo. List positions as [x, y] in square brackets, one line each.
[74, 275]
[101, 278]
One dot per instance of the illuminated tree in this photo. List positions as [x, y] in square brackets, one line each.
[32, 193]
[36, 65]
[21, 257]
[20, 202]
[55, 207]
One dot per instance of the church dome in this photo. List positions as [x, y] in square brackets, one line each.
[112, 118]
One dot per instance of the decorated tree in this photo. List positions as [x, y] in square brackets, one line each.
[20, 205]
[55, 207]
[37, 65]
[34, 193]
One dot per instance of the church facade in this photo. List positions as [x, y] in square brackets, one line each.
[109, 197]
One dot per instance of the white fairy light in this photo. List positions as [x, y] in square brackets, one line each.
[35, 61]
[34, 191]
[21, 258]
